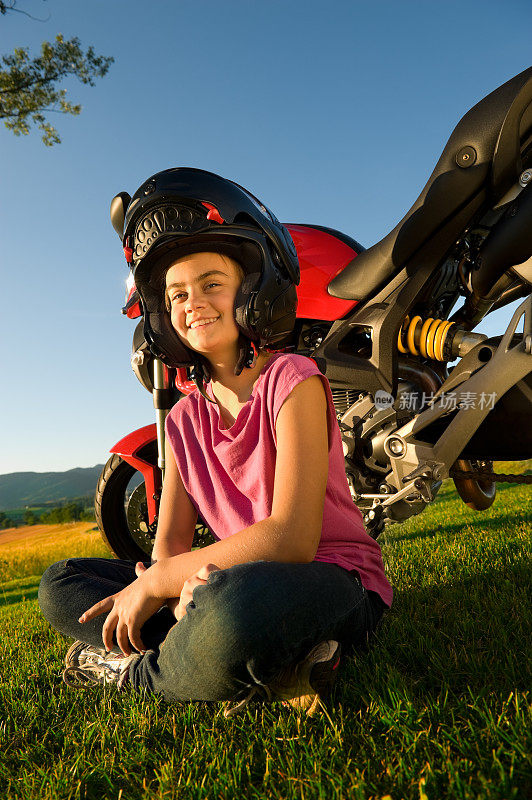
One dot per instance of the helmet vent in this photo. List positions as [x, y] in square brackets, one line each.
[164, 219]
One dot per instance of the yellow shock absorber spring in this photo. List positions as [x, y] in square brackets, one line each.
[424, 337]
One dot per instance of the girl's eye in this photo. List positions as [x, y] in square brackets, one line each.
[177, 296]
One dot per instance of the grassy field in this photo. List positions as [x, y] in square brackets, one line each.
[28, 550]
[440, 707]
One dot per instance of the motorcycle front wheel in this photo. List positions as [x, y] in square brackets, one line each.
[121, 510]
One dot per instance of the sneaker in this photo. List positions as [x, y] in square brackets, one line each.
[302, 685]
[87, 666]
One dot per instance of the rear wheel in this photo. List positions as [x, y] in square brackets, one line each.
[121, 510]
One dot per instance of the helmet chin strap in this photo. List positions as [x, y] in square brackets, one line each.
[200, 375]
[247, 358]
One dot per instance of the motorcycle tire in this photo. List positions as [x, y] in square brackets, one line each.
[477, 494]
[122, 512]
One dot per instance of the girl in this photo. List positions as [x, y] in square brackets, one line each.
[256, 450]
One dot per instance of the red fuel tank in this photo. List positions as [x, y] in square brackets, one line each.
[322, 255]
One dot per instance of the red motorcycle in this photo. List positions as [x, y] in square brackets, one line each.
[379, 325]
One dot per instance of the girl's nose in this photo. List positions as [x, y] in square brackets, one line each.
[195, 299]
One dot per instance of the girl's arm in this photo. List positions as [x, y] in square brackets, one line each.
[177, 515]
[292, 532]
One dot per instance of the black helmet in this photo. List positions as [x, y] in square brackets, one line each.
[183, 210]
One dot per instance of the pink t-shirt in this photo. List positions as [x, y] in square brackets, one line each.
[229, 473]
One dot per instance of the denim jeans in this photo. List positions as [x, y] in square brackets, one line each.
[241, 628]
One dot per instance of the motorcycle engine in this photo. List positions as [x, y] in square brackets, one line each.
[364, 427]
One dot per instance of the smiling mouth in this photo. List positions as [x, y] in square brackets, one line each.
[201, 323]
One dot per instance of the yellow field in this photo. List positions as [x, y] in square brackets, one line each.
[40, 533]
[28, 550]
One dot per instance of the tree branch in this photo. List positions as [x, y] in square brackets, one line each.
[4, 8]
[28, 87]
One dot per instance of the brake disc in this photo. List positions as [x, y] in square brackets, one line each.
[137, 519]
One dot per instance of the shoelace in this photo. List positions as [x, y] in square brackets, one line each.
[232, 707]
[90, 674]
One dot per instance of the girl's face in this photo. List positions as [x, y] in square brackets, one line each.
[200, 292]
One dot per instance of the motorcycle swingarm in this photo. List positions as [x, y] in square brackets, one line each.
[416, 464]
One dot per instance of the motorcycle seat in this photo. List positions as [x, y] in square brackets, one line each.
[480, 163]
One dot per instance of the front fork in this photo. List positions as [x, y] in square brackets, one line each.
[161, 389]
[131, 447]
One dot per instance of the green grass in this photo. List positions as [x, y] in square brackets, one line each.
[440, 707]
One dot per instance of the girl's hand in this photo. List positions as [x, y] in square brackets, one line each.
[127, 611]
[140, 569]
[198, 579]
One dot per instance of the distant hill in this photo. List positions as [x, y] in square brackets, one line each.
[20, 489]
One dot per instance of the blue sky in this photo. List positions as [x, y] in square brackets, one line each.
[332, 113]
